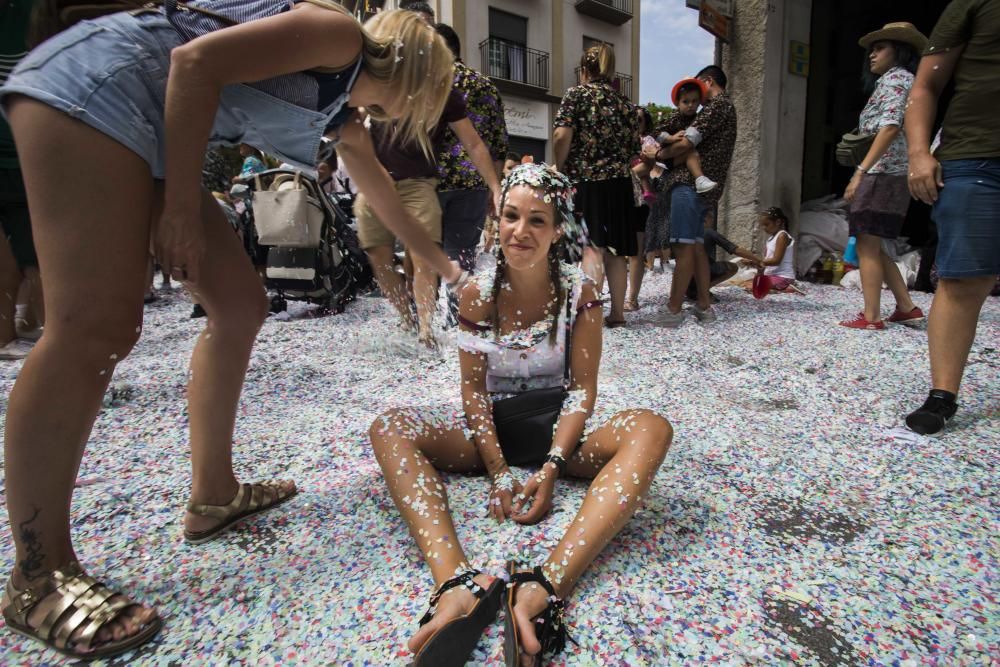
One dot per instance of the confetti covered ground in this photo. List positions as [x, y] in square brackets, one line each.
[792, 523]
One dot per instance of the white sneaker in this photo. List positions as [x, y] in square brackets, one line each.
[16, 349]
[704, 184]
[29, 334]
[669, 320]
[706, 316]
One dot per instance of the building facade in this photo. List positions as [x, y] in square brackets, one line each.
[531, 50]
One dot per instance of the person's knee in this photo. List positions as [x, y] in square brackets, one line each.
[966, 289]
[239, 317]
[657, 435]
[97, 336]
[388, 430]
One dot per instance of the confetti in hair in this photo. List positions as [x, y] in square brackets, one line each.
[557, 189]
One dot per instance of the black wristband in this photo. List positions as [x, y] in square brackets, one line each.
[558, 461]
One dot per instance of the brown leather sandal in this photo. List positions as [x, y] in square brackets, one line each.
[83, 603]
[251, 499]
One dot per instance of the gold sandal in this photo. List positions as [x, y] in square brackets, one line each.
[83, 603]
[251, 499]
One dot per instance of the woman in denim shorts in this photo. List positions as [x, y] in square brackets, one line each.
[112, 118]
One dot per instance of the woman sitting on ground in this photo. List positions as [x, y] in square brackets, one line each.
[514, 328]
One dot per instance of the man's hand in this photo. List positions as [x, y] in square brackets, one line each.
[925, 178]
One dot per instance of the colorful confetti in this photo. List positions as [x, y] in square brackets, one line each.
[792, 522]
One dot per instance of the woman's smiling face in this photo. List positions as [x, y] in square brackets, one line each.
[527, 227]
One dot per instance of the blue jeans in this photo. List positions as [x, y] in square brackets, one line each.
[967, 214]
[687, 216]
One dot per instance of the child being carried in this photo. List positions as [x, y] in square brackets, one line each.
[687, 96]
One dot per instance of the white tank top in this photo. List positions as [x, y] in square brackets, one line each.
[786, 269]
[524, 359]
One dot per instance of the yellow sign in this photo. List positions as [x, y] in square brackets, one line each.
[798, 58]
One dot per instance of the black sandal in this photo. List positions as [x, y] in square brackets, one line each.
[455, 641]
[550, 627]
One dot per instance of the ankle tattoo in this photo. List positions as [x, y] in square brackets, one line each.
[31, 564]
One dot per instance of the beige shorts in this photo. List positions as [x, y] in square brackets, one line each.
[419, 197]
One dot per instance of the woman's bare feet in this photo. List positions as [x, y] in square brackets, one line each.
[195, 523]
[127, 624]
[455, 603]
[530, 600]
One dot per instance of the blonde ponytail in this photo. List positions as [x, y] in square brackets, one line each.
[599, 62]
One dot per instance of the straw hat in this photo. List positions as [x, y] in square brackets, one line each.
[901, 31]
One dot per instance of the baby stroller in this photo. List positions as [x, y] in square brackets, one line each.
[307, 239]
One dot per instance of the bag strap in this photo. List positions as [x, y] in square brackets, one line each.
[171, 6]
[569, 339]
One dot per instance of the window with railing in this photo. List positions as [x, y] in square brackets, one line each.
[510, 61]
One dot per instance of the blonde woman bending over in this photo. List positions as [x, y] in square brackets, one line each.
[112, 118]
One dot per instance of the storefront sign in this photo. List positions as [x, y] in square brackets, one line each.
[526, 118]
[798, 58]
[724, 7]
[715, 22]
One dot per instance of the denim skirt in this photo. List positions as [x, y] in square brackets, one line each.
[110, 73]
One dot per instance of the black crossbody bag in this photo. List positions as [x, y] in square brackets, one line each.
[525, 424]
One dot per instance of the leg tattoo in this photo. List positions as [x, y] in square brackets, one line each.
[31, 564]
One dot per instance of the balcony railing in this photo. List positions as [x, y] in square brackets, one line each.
[510, 61]
[617, 12]
[621, 82]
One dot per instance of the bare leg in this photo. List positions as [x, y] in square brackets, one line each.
[391, 283]
[236, 305]
[684, 256]
[622, 457]
[894, 279]
[702, 276]
[693, 163]
[617, 269]
[425, 289]
[593, 266]
[90, 200]
[409, 444]
[870, 257]
[636, 271]
[951, 327]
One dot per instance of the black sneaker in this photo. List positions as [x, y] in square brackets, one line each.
[931, 417]
[198, 311]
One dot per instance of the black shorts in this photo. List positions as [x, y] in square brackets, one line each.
[613, 220]
[14, 218]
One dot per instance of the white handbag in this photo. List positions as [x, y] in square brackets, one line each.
[287, 214]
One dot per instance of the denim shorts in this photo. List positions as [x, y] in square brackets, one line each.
[967, 214]
[687, 216]
[110, 73]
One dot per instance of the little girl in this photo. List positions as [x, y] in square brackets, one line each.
[779, 261]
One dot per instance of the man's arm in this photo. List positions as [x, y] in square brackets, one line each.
[480, 156]
[562, 139]
[933, 74]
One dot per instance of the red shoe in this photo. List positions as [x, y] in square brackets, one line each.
[911, 317]
[859, 322]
